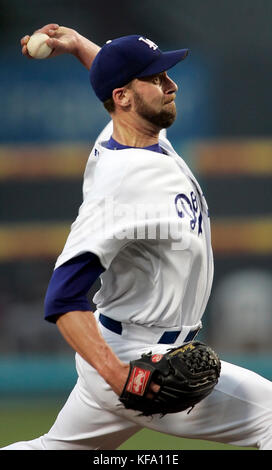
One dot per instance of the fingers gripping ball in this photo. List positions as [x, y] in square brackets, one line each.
[186, 375]
[37, 46]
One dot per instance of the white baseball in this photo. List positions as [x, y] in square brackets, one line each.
[37, 46]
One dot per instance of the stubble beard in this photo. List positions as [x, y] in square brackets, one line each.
[162, 119]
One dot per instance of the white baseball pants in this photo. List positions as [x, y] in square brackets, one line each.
[237, 412]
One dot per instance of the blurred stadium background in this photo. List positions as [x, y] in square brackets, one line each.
[49, 120]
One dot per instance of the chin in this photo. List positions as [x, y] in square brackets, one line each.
[162, 119]
[165, 119]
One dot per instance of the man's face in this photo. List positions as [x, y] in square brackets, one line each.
[154, 97]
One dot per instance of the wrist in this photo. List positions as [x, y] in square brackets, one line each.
[77, 45]
[115, 373]
[85, 50]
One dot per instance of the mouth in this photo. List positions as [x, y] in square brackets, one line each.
[172, 100]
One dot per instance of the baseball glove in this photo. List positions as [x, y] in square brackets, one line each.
[186, 375]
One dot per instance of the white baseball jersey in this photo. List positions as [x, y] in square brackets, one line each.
[161, 279]
[144, 215]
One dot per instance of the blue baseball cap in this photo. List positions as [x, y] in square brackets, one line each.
[121, 60]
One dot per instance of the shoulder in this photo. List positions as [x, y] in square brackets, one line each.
[110, 171]
[147, 174]
[128, 172]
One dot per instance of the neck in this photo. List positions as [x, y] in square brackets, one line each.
[134, 132]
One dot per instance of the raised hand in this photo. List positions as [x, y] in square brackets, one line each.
[65, 40]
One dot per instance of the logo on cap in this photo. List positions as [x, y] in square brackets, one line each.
[150, 43]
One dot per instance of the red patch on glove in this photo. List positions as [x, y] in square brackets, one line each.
[138, 380]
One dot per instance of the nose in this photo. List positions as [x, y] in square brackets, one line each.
[170, 85]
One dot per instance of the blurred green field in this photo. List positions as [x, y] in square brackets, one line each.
[24, 420]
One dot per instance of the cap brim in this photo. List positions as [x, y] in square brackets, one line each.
[164, 62]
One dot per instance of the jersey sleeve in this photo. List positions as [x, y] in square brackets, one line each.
[69, 285]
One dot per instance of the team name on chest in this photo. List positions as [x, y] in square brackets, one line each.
[189, 205]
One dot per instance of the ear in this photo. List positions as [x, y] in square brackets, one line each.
[121, 97]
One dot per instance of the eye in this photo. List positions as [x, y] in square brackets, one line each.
[156, 79]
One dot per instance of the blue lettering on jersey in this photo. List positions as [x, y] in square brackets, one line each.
[190, 207]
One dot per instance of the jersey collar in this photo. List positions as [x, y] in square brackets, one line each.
[112, 144]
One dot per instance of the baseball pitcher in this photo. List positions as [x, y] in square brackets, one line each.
[143, 228]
